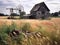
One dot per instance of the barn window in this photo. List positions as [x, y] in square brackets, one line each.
[43, 12]
[38, 13]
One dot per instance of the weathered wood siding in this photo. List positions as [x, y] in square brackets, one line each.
[40, 11]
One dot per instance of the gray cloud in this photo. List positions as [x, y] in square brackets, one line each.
[53, 5]
[27, 4]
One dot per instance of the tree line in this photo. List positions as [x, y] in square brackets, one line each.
[55, 14]
[13, 14]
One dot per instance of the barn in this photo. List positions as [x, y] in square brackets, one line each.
[40, 10]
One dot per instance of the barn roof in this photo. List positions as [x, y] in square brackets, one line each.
[37, 6]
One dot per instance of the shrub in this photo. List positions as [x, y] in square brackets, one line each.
[26, 27]
[4, 33]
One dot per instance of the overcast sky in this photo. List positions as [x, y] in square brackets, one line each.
[53, 5]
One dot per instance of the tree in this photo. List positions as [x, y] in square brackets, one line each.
[21, 10]
[55, 14]
[1, 14]
[22, 13]
[59, 12]
[12, 15]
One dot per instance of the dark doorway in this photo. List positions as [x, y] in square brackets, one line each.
[32, 17]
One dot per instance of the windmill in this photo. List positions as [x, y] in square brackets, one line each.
[11, 11]
[19, 8]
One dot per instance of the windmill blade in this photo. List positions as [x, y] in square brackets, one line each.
[20, 7]
[9, 8]
[15, 9]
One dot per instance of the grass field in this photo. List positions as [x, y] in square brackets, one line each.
[5, 17]
[42, 32]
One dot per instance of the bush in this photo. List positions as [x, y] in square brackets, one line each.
[26, 27]
[4, 33]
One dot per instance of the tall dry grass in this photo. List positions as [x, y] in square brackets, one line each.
[34, 32]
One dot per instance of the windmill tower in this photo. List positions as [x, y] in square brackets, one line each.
[12, 9]
[19, 8]
[11, 12]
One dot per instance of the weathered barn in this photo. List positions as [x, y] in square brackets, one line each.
[40, 10]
